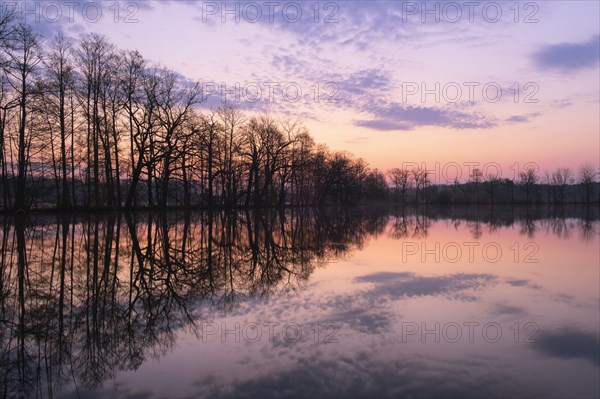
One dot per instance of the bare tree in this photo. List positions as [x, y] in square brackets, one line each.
[23, 56]
[210, 134]
[421, 182]
[560, 178]
[492, 182]
[476, 179]
[302, 158]
[232, 121]
[174, 104]
[400, 180]
[141, 110]
[7, 101]
[528, 179]
[94, 57]
[132, 78]
[293, 132]
[587, 177]
[60, 69]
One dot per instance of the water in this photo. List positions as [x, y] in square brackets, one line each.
[361, 302]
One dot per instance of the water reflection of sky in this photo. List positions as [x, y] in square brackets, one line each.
[376, 301]
[364, 305]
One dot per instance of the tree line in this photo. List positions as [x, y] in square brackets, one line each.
[85, 125]
[563, 186]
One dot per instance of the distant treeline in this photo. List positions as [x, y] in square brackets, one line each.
[84, 125]
[563, 186]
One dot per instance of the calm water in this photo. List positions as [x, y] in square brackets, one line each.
[346, 303]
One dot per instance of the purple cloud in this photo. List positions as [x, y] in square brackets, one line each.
[567, 57]
[522, 118]
[396, 116]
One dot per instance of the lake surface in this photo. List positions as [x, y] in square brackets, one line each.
[365, 302]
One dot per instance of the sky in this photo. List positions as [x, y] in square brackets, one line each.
[447, 85]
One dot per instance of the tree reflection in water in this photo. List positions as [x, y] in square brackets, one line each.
[84, 297]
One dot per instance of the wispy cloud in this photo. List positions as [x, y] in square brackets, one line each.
[395, 116]
[407, 375]
[523, 283]
[399, 285]
[522, 118]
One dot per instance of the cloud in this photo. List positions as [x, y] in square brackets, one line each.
[517, 119]
[363, 25]
[397, 116]
[366, 310]
[569, 57]
[570, 344]
[508, 310]
[363, 320]
[345, 23]
[366, 375]
[402, 285]
[366, 79]
[523, 283]
[370, 91]
[73, 18]
[382, 125]
[522, 118]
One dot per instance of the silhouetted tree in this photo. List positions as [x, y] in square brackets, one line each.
[528, 179]
[586, 178]
[24, 54]
[400, 180]
[61, 79]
